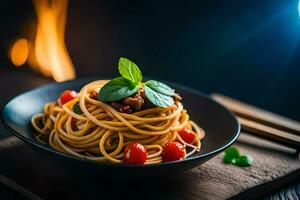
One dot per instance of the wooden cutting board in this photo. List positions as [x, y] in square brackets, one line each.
[213, 180]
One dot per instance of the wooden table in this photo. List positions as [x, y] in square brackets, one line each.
[213, 180]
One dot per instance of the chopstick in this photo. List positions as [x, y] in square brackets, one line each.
[18, 188]
[257, 114]
[270, 133]
[262, 123]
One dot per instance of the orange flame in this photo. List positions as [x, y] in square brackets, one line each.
[49, 47]
[47, 51]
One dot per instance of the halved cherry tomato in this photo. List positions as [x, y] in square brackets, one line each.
[187, 135]
[67, 96]
[173, 151]
[135, 153]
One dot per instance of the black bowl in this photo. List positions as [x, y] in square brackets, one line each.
[220, 125]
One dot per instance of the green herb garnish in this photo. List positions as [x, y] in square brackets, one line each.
[117, 89]
[130, 70]
[157, 98]
[77, 109]
[131, 79]
[160, 88]
[233, 156]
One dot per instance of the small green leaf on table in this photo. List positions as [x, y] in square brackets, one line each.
[244, 161]
[233, 156]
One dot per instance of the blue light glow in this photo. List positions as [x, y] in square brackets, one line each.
[299, 8]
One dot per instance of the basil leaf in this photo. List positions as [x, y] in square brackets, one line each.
[244, 161]
[77, 109]
[157, 98]
[117, 89]
[160, 87]
[230, 154]
[129, 70]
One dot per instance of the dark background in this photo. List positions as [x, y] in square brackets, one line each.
[245, 49]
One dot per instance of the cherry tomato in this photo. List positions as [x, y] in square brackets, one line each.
[66, 96]
[135, 153]
[173, 151]
[187, 135]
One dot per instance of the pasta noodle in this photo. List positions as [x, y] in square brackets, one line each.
[101, 133]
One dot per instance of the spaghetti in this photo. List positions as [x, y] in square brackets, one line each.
[101, 133]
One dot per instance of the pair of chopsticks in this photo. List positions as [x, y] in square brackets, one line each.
[262, 123]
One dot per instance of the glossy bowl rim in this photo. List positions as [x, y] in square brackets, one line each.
[68, 156]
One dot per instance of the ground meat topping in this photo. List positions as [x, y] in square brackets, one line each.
[94, 95]
[119, 106]
[136, 102]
